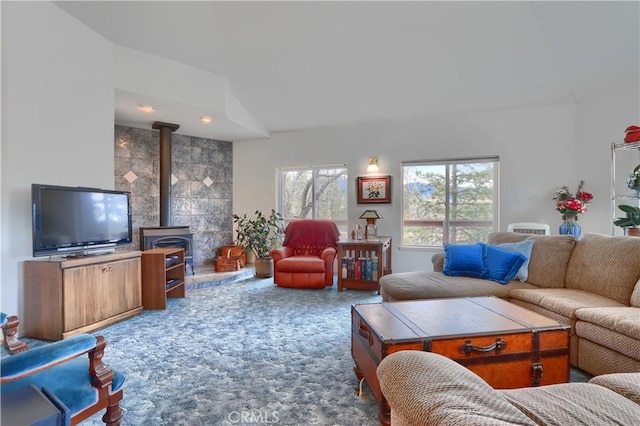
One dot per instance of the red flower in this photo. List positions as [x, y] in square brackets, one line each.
[569, 203]
[584, 196]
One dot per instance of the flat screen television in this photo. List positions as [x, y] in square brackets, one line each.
[79, 221]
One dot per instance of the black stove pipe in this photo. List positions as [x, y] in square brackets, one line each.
[165, 169]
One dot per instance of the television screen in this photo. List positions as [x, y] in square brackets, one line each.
[78, 220]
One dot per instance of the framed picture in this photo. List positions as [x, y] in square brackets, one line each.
[374, 189]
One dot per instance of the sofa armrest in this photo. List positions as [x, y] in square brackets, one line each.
[428, 388]
[625, 384]
[281, 253]
[328, 253]
[438, 262]
[34, 360]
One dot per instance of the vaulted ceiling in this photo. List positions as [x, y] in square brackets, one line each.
[298, 65]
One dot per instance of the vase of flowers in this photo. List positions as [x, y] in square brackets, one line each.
[570, 205]
[570, 226]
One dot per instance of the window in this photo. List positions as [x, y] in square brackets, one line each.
[454, 201]
[317, 192]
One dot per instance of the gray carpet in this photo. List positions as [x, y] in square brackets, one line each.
[243, 352]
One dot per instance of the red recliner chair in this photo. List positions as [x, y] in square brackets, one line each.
[306, 257]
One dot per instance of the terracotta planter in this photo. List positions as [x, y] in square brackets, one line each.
[632, 232]
[264, 267]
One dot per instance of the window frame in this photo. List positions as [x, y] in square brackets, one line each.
[495, 159]
[342, 223]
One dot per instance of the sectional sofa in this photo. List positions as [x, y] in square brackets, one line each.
[592, 284]
[424, 388]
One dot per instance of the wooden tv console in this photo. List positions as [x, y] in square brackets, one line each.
[65, 297]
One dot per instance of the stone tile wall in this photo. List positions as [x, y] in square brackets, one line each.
[201, 191]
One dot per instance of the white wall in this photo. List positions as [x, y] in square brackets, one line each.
[55, 70]
[601, 121]
[57, 120]
[540, 149]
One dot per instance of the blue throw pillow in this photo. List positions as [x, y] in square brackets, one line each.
[523, 247]
[502, 265]
[464, 260]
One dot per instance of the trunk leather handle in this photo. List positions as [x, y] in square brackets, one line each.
[364, 331]
[467, 348]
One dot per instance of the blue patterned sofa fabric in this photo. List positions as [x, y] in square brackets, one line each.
[68, 381]
[62, 368]
[3, 319]
[45, 356]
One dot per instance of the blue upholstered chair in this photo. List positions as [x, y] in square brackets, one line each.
[73, 372]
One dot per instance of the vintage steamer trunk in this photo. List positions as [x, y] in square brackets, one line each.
[505, 344]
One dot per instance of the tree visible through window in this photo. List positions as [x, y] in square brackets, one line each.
[318, 192]
[449, 201]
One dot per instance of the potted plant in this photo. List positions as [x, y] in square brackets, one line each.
[633, 182]
[260, 235]
[630, 223]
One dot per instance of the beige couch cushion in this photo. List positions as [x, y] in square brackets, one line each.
[434, 285]
[564, 301]
[574, 404]
[614, 328]
[549, 257]
[635, 296]
[605, 265]
[424, 388]
[625, 384]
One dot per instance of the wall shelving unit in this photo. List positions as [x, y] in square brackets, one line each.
[162, 276]
[620, 194]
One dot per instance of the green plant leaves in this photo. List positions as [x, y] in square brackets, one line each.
[260, 234]
[633, 217]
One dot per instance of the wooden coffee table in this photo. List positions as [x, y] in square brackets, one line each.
[505, 344]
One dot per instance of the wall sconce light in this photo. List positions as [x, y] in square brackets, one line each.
[371, 230]
[373, 165]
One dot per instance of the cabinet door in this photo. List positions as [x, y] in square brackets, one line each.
[95, 292]
[124, 290]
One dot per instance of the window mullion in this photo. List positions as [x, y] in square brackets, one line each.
[447, 204]
[314, 186]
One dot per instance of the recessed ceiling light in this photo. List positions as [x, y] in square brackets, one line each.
[206, 119]
[146, 108]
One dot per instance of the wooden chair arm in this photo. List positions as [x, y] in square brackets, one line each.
[101, 374]
[9, 331]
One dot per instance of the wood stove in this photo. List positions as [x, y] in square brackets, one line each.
[169, 236]
[165, 235]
